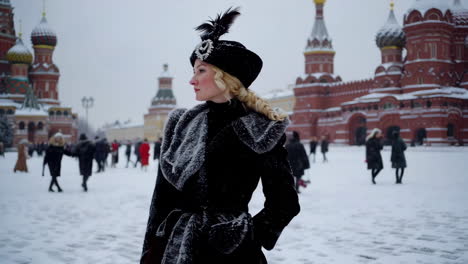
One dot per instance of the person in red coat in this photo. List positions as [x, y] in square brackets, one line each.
[144, 154]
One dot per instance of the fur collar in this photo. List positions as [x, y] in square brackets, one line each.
[184, 144]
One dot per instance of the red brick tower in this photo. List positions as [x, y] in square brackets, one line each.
[391, 40]
[460, 39]
[319, 51]
[7, 33]
[429, 31]
[44, 73]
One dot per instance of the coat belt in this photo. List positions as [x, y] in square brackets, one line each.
[184, 230]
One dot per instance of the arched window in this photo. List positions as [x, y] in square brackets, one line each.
[51, 113]
[428, 104]
[21, 125]
[65, 113]
[40, 126]
[9, 112]
[58, 113]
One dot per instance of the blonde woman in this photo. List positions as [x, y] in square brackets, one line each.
[212, 158]
[53, 158]
[373, 157]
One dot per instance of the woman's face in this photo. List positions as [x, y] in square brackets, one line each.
[204, 84]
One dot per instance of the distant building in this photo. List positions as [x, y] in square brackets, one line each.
[29, 86]
[424, 94]
[281, 98]
[124, 131]
[162, 103]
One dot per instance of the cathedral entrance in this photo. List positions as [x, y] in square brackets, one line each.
[357, 130]
[421, 135]
[31, 132]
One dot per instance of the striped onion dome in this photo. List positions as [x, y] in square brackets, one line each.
[391, 34]
[19, 53]
[43, 34]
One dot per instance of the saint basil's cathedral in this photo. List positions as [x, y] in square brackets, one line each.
[29, 94]
[423, 92]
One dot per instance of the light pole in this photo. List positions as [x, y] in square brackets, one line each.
[87, 103]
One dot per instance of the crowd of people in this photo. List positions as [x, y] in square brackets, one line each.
[85, 151]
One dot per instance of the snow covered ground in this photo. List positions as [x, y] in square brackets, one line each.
[344, 218]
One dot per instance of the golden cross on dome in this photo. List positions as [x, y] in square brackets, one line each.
[43, 8]
[392, 4]
[20, 34]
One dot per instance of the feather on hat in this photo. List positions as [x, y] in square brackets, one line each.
[230, 56]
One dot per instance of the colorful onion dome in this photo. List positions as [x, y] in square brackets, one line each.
[391, 34]
[19, 53]
[43, 34]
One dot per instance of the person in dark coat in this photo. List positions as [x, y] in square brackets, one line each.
[313, 147]
[157, 149]
[101, 153]
[324, 148]
[212, 158]
[85, 150]
[53, 158]
[115, 153]
[373, 147]
[136, 151]
[398, 156]
[128, 152]
[297, 157]
[2, 149]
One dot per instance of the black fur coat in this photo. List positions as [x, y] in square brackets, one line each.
[212, 159]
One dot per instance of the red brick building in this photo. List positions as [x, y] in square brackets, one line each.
[423, 93]
[29, 85]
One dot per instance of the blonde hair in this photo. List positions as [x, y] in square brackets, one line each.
[373, 133]
[57, 140]
[225, 81]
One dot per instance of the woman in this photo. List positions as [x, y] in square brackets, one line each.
[373, 157]
[398, 156]
[298, 159]
[144, 154]
[85, 150]
[22, 156]
[324, 148]
[53, 158]
[212, 158]
[313, 147]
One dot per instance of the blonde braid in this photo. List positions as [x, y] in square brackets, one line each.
[224, 80]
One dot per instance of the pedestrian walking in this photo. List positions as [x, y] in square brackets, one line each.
[212, 158]
[398, 158]
[53, 159]
[157, 149]
[324, 148]
[22, 156]
[144, 154]
[128, 152]
[85, 150]
[2, 149]
[115, 153]
[298, 159]
[100, 154]
[313, 147]
[136, 151]
[373, 156]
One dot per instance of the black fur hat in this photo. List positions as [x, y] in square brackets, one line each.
[230, 56]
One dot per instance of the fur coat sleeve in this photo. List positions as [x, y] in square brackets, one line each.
[281, 200]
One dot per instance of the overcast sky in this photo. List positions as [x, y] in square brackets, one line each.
[113, 50]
